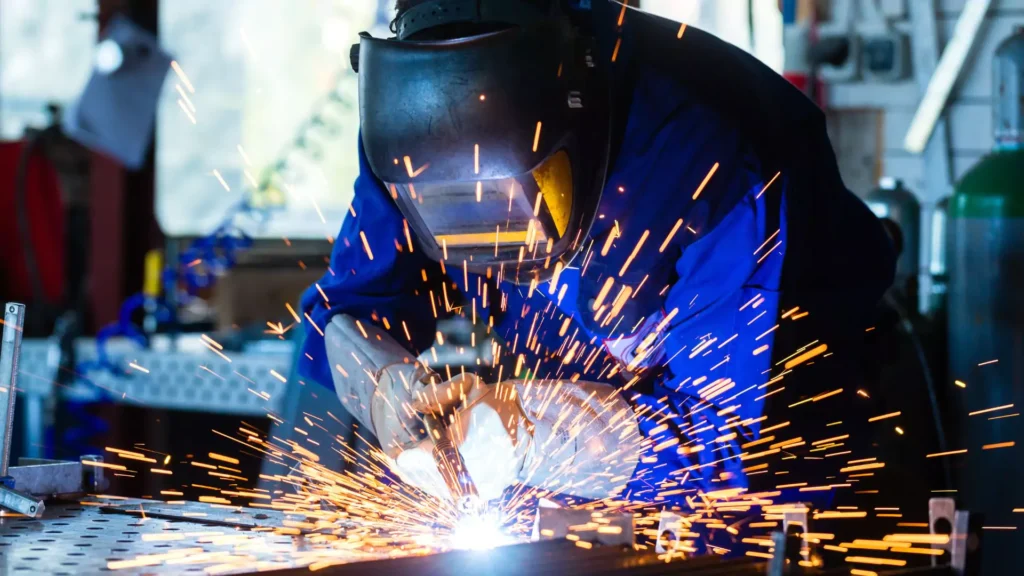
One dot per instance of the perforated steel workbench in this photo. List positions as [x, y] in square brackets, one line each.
[76, 539]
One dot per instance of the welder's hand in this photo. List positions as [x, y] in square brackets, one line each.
[489, 431]
[375, 377]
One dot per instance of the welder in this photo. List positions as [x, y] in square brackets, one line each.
[644, 218]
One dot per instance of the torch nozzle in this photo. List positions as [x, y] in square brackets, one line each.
[456, 477]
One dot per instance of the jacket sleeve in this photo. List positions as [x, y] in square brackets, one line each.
[377, 274]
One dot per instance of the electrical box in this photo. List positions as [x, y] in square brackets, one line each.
[885, 57]
[849, 69]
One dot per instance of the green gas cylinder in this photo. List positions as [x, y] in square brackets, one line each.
[986, 323]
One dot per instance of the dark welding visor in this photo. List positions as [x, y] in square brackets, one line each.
[478, 140]
[525, 214]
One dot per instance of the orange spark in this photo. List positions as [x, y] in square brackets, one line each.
[366, 244]
[884, 416]
[706, 180]
[636, 250]
[767, 185]
[671, 233]
[950, 453]
[806, 356]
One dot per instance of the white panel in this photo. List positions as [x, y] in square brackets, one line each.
[976, 77]
[262, 71]
[896, 122]
[905, 167]
[679, 10]
[904, 94]
[45, 56]
[729, 21]
[955, 6]
[970, 126]
[963, 163]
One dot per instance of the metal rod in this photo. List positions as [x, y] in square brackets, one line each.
[10, 351]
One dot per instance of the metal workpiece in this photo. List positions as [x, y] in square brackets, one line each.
[10, 351]
[47, 477]
[555, 523]
[200, 513]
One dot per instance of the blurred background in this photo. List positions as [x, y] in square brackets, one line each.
[172, 174]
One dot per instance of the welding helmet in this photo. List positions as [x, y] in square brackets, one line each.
[488, 123]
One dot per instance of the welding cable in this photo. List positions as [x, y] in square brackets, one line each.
[926, 372]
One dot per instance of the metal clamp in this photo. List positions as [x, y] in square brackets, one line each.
[10, 351]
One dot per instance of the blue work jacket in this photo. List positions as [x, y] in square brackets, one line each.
[725, 178]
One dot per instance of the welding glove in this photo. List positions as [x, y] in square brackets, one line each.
[577, 439]
[488, 429]
[374, 378]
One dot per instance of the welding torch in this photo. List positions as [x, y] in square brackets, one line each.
[449, 461]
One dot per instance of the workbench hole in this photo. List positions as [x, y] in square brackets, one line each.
[69, 563]
[89, 536]
[12, 535]
[130, 533]
[62, 523]
[47, 540]
[124, 541]
[98, 519]
[75, 554]
[71, 509]
[20, 568]
[95, 528]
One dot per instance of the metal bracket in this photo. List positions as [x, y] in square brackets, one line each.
[940, 509]
[21, 486]
[10, 351]
[670, 530]
[20, 503]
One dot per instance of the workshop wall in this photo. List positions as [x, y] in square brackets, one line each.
[968, 112]
[869, 117]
